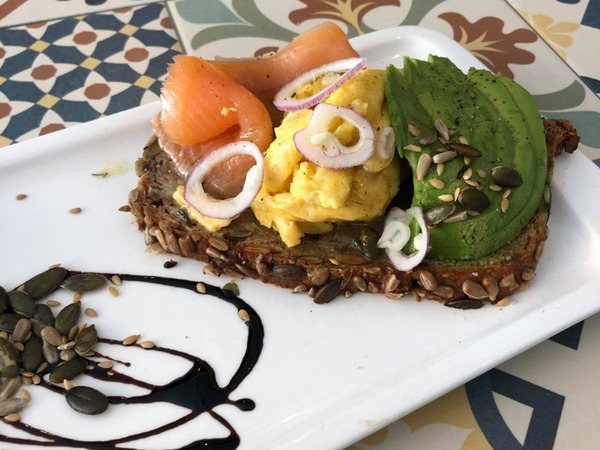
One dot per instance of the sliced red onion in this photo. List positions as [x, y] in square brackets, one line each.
[285, 99]
[396, 234]
[318, 145]
[209, 206]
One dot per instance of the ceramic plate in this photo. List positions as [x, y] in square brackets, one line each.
[297, 374]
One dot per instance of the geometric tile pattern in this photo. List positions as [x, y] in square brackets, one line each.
[72, 70]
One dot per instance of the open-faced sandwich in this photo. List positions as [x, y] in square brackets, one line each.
[310, 171]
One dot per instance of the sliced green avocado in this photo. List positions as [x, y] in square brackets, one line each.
[493, 115]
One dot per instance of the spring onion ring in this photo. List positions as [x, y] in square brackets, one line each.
[285, 99]
[396, 234]
[321, 147]
[209, 206]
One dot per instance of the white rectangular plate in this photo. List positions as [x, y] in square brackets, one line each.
[327, 375]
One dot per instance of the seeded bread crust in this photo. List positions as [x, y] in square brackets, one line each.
[326, 266]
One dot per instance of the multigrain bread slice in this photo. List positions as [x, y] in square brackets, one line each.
[344, 261]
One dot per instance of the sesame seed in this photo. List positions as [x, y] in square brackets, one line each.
[113, 291]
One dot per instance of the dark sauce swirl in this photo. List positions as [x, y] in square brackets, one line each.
[197, 390]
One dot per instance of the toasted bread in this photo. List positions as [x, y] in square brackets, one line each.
[337, 263]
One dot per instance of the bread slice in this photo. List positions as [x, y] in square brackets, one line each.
[341, 262]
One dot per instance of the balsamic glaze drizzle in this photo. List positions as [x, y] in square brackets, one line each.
[196, 390]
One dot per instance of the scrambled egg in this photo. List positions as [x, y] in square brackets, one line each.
[298, 197]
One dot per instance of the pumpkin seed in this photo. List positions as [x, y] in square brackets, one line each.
[8, 321]
[506, 176]
[86, 400]
[84, 282]
[32, 355]
[67, 370]
[85, 340]
[67, 318]
[21, 303]
[45, 283]
[3, 299]
[438, 213]
[44, 314]
[328, 292]
[9, 358]
[473, 199]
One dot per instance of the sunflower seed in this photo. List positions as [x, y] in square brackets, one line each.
[446, 197]
[427, 280]
[86, 400]
[442, 129]
[437, 183]
[9, 358]
[457, 217]
[491, 287]
[423, 165]
[244, 315]
[528, 274]
[74, 210]
[474, 290]
[130, 340]
[22, 329]
[9, 387]
[21, 196]
[106, 365]
[11, 406]
[412, 148]
[443, 157]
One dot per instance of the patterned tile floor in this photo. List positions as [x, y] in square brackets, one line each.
[64, 62]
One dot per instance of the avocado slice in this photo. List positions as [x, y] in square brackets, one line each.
[496, 117]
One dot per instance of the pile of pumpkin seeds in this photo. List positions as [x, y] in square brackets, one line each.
[37, 346]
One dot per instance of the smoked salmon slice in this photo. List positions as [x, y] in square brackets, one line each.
[203, 109]
[264, 77]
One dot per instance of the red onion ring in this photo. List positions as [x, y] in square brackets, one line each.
[396, 234]
[209, 206]
[284, 100]
[318, 145]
